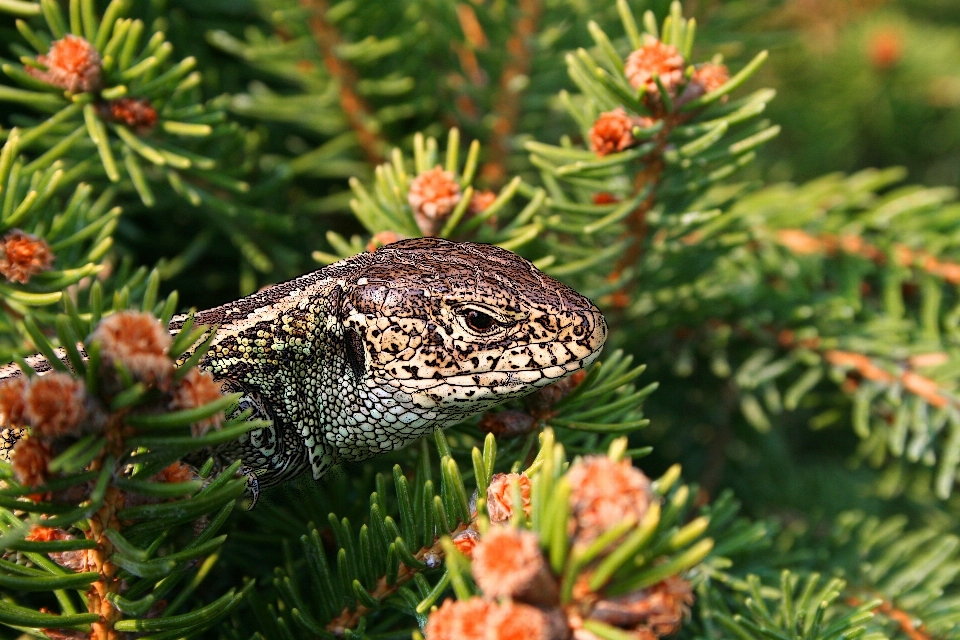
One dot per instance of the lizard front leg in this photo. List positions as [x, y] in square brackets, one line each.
[270, 454]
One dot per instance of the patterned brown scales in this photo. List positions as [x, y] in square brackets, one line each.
[368, 354]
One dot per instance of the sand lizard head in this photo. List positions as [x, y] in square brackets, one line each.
[463, 326]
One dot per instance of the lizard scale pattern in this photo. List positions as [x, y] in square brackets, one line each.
[368, 354]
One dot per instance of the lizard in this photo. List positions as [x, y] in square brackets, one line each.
[370, 353]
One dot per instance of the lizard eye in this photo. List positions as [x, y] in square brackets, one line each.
[479, 321]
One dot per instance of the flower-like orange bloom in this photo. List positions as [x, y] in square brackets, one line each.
[46, 534]
[478, 619]
[650, 613]
[605, 198]
[711, 76]
[508, 563]
[612, 132]
[72, 64]
[517, 621]
[12, 392]
[196, 389]
[55, 405]
[137, 113]
[139, 342]
[30, 460]
[603, 493]
[459, 620]
[885, 48]
[654, 58]
[68, 559]
[706, 78]
[433, 195]
[481, 200]
[23, 255]
[500, 496]
[176, 472]
[383, 238]
[466, 541]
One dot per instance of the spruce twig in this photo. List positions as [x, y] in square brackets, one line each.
[355, 108]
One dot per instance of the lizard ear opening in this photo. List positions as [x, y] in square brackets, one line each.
[352, 342]
[355, 354]
[335, 306]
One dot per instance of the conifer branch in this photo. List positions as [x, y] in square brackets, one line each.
[903, 619]
[801, 242]
[87, 492]
[476, 40]
[435, 553]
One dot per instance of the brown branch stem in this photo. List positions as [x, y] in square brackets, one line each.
[903, 619]
[506, 103]
[637, 226]
[802, 243]
[907, 376]
[97, 559]
[355, 108]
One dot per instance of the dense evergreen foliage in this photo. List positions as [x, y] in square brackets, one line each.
[783, 358]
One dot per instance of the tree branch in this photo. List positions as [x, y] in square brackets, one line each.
[802, 243]
[507, 98]
[357, 111]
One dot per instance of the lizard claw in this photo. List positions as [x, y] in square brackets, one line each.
[253, 485]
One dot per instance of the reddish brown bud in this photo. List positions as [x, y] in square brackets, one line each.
[72, 64]
[433, 196]
[55, 405]
[12, 404]
[885, 48]
[605, 198]
[500, 496]
[23, 255]
[139, 342]
[177, 472]
[30, 459]
[196, 389]
[507, 424]
[75, 560]
[137, 113]
[603, 493]
[508, 563]
[654, 58]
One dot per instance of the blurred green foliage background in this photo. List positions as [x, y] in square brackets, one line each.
[861, 83]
